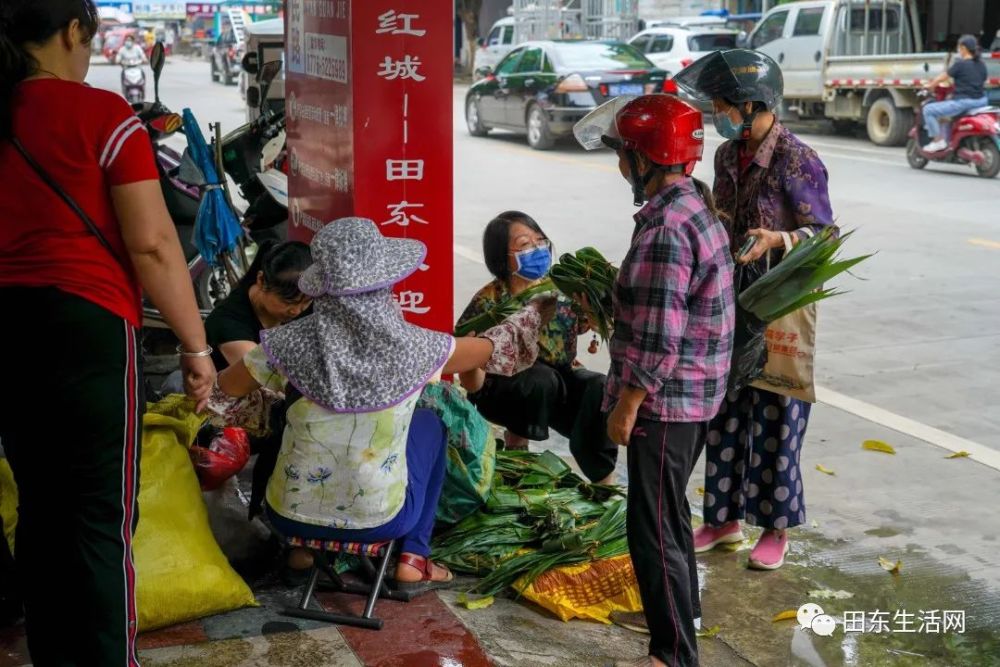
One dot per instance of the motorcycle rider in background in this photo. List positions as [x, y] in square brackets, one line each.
[969, 76]
[131, 53]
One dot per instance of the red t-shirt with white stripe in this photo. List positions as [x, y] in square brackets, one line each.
[89, 141]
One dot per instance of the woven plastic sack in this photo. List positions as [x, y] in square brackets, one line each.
[471, 452]
[589, 591]
[181, 574]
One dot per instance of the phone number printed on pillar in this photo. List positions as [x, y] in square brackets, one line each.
[326, 57]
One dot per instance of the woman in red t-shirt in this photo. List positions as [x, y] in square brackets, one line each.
[72, 402]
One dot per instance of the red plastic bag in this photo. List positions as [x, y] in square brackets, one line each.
[226, 456]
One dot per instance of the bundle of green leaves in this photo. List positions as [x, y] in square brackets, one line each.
[539, 515]
[798, 279]
[588, 274]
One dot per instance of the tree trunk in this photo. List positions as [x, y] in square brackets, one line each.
[468, 11]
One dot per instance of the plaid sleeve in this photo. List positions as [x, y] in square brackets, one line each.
[658, 277]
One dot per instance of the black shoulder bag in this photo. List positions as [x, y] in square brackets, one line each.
[51, 182]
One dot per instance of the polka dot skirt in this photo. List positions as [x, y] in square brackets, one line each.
[752, 460]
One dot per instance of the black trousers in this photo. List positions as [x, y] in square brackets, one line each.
[70, 422]
[661, 457]
[565, 399]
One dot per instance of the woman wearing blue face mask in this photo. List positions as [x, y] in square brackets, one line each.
[557, 392]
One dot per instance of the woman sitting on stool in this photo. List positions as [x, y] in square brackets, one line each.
[358, 461]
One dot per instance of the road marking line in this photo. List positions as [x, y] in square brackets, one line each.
[906, 426]
[995, 245]
[469, 254]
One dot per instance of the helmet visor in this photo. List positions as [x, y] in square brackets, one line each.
[599, 128]
[707, 78]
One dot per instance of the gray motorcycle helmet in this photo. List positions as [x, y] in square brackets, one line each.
[735, 75]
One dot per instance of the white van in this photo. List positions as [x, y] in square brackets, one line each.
[498, 43]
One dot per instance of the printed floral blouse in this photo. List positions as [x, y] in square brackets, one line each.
[345, 471]
[557, 341]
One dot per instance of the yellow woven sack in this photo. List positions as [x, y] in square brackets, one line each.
[590, 590]
[181, 573]
[8, 502]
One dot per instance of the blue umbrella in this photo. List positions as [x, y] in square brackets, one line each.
[217, 231]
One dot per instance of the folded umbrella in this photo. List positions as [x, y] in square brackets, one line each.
[217, 230]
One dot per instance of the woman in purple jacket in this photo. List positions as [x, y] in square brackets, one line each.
[772, 187]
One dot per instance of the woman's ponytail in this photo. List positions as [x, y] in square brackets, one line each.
[32, 22]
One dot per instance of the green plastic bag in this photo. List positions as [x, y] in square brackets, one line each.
[471, 452]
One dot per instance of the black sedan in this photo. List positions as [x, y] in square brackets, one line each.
[543, 88]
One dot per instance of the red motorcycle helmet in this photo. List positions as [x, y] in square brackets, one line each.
[664, 128]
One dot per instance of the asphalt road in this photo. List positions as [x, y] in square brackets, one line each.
[918, 335]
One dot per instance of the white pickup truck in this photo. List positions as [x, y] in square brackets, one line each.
[853, 61]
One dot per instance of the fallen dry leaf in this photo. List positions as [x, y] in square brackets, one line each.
[892, 568]
[475, 603]
[708, 633]
[828, 594]
[877, 446]
[787, 615]
[959, 455]
[823, 469]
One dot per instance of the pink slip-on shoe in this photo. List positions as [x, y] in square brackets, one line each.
[708, 537]
[769, 554]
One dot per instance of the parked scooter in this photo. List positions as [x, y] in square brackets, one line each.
[250, 155]
[973, 138]
[133, 81]
[182, 182]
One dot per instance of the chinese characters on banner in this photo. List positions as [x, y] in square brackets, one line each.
[369, 130]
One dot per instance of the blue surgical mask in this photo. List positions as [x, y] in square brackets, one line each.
[725, 126]
[533, 264]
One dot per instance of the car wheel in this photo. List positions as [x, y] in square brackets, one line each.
[539, 136]
[991, 165]
[913, 155]
[887, 124]
[473, 120]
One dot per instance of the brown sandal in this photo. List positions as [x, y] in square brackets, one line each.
[426, 568]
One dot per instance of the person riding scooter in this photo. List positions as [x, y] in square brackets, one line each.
[131, 57]
[969, 76]
[131, 54]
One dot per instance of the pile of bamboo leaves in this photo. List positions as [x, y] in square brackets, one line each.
[798, 279]
[539, 515]
[585, 273]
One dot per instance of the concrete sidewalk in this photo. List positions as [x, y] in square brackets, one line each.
[932, 513]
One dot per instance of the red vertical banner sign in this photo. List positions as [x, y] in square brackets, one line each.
[369, 117]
